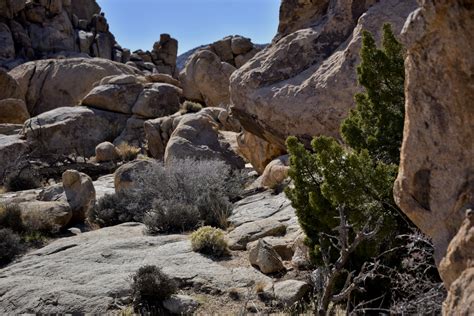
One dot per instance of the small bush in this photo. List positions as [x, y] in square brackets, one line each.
[10, 246]
[210, 241]
[150, 287]
[171, 217]
[10, 217]
[21, 182]
[128, 152]
[190, 107]
[114, 209]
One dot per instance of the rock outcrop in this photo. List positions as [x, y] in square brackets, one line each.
[206, 75]
[72, 130]
[53, 83]
[33, 30]
[197, 136]
[435, 183]
[304, 82]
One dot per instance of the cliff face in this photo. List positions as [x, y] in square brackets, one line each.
[304, 82]
[37, 29]
[436, 180]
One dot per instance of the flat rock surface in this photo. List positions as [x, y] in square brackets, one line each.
[90, 272]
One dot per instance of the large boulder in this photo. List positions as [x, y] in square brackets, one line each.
[106, 151]
[206, 79]
[53, 83]
[257, 151]
[303, 84]
[197, 137]
[85, 9]
[113, 97]
[9, 86]
[159, 99]
[13, 111]
[435, 183]
[80, 193]
[265, 258]
[72, 130]
[12, 148]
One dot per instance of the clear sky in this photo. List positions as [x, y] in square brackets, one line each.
[137, 24]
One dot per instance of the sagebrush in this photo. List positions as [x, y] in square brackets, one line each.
[210, 241]
[10, 246]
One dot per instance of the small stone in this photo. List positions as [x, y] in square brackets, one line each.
[181, 304]
[265, 258]
[106, 151]
[290, 291]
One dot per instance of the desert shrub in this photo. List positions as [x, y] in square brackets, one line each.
[171, 217]
[188, 188]
[190, 107]
[128, 152]
[10, 246]
[114, 209]
[210, 241]
[10, 217]
[21, 181]
[150, 287]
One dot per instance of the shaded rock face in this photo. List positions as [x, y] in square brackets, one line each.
[303, 84]
[435, 184]
[53, 83]
[205, 77]
[37, 29]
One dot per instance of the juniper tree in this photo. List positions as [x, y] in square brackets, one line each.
[376, 123]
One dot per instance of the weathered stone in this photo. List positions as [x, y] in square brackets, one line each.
[303, 84]
[161, 99]
[85, 9]
[241, 45]
[13, 111]
[80, 193]
[10, 88]
[113, 97]
[45, 215]
[69, 130]
[181, 304]
[85, 41]
[163, 78]
[435, 182]
[52, 35]
[460, 300]
[106, 151]
[158, 132]
[265, 258]
[276, 172]
[12, 149]
[196, 137]
[223, 49]
[125, 177]
[41, 80]
[87, 273]
[257, 151]
[206, 79]
[7, 48]
[240, 236]
[289, 292]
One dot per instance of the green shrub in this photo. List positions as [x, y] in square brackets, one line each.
[21, 181]
[171, 217]
[150, 287]
[376, 124]
[114, 209]
[210, 241]
[190, 107]
[10, 217]
[10, 246]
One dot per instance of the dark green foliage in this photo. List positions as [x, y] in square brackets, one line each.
[10, 246]
[332, 178]
[117, 208]
[150, 287]
[21, 182]
[376, 124]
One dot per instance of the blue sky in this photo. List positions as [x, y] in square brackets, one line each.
[137, 24]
